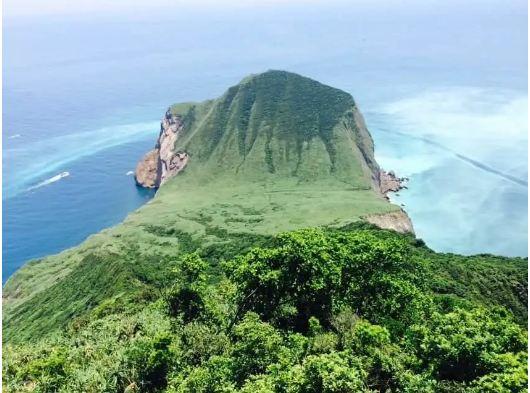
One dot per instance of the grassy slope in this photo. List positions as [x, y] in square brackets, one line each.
[278, 125]
[111, 264]
[125, 265]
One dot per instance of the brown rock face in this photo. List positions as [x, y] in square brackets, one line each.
[389, 182]
[398, 221]
[163, 162]
[146, 173]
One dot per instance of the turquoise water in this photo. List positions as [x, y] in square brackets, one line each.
[465, 154]
[84, 95]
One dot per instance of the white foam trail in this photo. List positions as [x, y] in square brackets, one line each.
[14, 136]
[520, 181]
[40, 157]
[129, 173]
[51, 180]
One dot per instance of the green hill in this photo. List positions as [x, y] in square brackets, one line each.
[197, 292]
[281, 124]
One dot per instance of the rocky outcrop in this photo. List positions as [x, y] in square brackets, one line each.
[389, 182]
[146, 174]
[398, 221]
[163, 162]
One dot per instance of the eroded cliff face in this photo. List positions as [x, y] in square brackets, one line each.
[163, 162]
[398, 221]
[389, 182]
[146, 173]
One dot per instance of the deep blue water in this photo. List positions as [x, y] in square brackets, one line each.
[97, 194]
[84, 94]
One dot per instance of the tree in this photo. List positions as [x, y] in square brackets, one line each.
[315, 273]
[256, 346]
[465, 345]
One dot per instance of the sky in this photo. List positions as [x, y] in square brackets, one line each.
[39, 7]
[14, 8]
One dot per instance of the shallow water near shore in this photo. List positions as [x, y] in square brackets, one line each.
[452, 122]
[467, 188]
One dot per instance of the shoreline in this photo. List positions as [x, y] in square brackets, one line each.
[389, 182]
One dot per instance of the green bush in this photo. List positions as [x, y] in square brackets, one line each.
[465, 345]
[310, 311]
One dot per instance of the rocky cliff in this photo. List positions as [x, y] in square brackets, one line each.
[389, 182]
[398, 221]
[164, 161]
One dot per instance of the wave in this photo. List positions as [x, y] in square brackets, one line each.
[51, 180]
[36, 159]
[130, 173]
[14, 136]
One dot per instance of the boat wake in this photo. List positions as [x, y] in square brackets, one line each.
[51, 180]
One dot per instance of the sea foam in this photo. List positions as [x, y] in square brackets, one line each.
[480, 125]
[34, 160]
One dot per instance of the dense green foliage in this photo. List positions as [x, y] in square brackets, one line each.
[308, 311]
[488, 279]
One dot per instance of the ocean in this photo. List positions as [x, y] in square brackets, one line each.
[444, 94]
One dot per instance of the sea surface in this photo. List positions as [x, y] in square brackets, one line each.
[443, 93]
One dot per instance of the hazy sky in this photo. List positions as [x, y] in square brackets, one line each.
[39, 7]
[50, 7]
